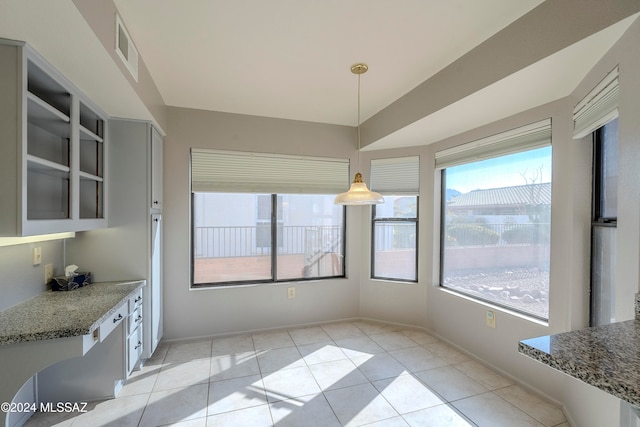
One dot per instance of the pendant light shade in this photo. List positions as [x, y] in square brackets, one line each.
[359, 194]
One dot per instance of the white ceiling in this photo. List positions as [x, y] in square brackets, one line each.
[291, 58]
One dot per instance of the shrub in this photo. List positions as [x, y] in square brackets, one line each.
[472, 235]
[528, 234]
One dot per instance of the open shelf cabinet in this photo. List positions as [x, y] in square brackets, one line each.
[54, 137]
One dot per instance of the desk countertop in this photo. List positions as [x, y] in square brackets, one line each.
[52, 315]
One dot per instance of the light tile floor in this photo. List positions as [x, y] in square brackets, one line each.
[340, 374]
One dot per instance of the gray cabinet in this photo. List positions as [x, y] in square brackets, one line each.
[131, 248]
[53, 143]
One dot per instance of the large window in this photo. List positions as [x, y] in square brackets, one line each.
[394, 249]
[496, 214]
[234, 242]
[247, 235]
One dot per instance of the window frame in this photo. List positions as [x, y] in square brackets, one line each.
[597, 219]
[443, 234]
[273, 251]
[374, 220]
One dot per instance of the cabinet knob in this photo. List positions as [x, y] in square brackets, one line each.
[137, 299]
[138, 346]
[117, 318]
[137, 319]
[155, 202]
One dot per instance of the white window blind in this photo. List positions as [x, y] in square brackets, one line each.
[243, 172]
[598, 108]
[528, 137]
[396, 176]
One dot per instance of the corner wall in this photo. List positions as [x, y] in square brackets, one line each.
[204, 312]
[462, 321]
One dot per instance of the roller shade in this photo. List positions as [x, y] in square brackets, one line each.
[243, 172]
[598, 108]
[396, 176]
[529, 137]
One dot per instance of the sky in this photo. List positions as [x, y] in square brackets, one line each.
[505, 171]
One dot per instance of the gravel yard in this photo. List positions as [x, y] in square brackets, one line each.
[525, 289]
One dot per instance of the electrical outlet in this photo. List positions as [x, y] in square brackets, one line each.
[291, 293]
[48, 273]
[491, 319]
[37, 255]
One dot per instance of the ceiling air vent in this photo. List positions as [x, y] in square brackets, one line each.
[125, 48]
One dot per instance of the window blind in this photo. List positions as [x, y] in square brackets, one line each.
[244, 172]
[396, 176]
[598, 108]
[528, 137]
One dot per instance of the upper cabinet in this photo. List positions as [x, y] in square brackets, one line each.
[52, 171]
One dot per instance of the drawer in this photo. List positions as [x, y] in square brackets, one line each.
[134, 349]
[113, 321]
[135, 300]
[134, 320]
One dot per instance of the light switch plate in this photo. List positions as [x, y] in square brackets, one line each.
[37, 255]
[291, 293]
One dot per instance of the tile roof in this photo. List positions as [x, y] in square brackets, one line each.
[531, 194]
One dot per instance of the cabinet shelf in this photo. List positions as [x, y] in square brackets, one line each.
[90, 177]
[47, 117]
[86, 134]
[43, 165]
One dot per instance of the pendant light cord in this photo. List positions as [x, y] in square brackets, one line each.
[359, 122]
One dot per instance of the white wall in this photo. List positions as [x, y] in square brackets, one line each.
[202, 312]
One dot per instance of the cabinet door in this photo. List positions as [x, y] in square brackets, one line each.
[155, 284]
[156, 169]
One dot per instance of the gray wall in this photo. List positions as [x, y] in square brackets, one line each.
[189, 313]
[20, 279]
[462, 321]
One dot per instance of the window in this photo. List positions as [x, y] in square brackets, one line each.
[596, 115]
[604, 223]
[395, 236]
[395, 223]
[495, 220]
[247, 235]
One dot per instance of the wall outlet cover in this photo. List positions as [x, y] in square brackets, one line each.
[48, 273]
[491, 319]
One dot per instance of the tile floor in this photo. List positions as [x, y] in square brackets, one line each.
[340, 374]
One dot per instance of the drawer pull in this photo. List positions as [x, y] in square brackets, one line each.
[137, 319]
[138, 346]
[117, 318]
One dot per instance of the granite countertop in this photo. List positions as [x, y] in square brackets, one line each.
[52, 315]
[606, 357]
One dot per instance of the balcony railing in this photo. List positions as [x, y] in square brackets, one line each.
[249, 241]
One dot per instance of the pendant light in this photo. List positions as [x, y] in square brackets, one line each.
[358, 194]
